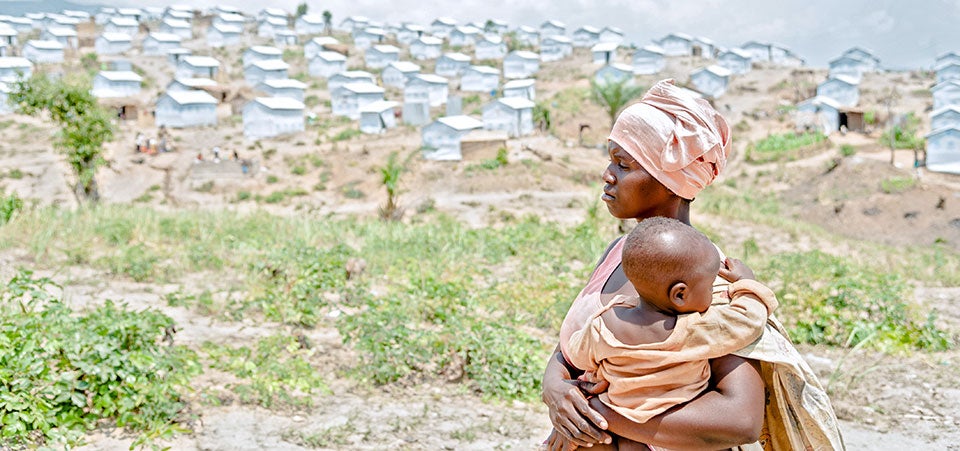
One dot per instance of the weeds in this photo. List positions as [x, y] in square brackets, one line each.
[783, 147]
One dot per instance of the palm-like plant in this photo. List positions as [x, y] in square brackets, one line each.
[614, 95]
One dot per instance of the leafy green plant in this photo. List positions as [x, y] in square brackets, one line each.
[895, 185]
[827, 300]
[847, 150]
[62, 373]
[494, 163]
[390, 177]
[277, 373]
[346, 134]
[783, 146]
[904, 135]
[614, 95]
[10, 205]
[83, 124]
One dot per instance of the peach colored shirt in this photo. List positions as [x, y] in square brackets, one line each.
[649, 378]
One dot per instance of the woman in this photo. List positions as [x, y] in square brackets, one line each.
[663, 151]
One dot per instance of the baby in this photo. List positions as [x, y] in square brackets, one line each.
[653, 350]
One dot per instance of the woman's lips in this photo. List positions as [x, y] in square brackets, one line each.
[607, 197]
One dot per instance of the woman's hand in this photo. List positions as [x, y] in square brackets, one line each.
[734, 270]
[570, 412]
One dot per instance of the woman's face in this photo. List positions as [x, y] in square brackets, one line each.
[630, 192]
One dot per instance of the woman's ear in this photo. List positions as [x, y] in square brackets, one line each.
[677, 295]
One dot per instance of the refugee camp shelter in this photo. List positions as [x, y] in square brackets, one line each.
[649, 60]
[116, 84]
[452, 64]
[122, 25]
[378, 116]
[326, 64]
[43, 52]
[490, 48]
[441, 27]
[820, 114]
[611, 34]
[613, 73]
[181, 109]
[711, 81]
[409, 33]
[441, 139]
[160, 43]
[848, 66]
[735, 60]
[261, 52]
[553, 28]
[943, 150]
[703, 47]
[267, 117]
[676, 44]
[480, 79]
[520, 64]
[286, 38]
[842, 89]
[351, 76]
[527, 35]
[378, 56]
[261, 70]
[14, 67]
[426, 48]
[948, 71]
[348, 99]
[945, 117]
[586, 36]
[180, 28]
[223, 35]
[284, 87]
[525, 89]
[430, 88]
[318, 44]
[193, 66]
[945, 94]
[397, 73]
[190, 84]
[310, 24]
[464, 35]
[605, 53]
[67, 37]
[112, 43]
[513, 115]
[364, 38]
[555, 48]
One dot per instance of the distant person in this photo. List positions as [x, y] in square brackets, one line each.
[139, 142]
[645, 354]
[216, 154]
[663, 150]
[236, 156]
[163, 136]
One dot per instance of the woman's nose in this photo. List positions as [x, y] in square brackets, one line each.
[608, 177]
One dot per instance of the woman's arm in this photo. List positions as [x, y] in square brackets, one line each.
[570, 413]
[729, 413]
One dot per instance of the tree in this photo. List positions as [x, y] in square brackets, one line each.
[302, 9]
[613, 95]
[84, 124]
[391, 181]
[328, 21]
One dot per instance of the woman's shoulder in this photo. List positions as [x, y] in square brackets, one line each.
[609, 248]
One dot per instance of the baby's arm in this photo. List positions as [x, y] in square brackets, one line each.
[724, 329]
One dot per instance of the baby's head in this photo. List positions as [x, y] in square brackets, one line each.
[671, 265]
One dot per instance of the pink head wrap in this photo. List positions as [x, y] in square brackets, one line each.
[680, 140]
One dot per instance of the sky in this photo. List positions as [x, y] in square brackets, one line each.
[903, 34]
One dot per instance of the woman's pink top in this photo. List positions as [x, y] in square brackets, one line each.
[589, 301]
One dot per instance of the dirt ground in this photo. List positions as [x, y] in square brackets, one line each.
[884, 401]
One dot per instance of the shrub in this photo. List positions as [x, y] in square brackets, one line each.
[63, 372]
[895, 185]
[847, 150]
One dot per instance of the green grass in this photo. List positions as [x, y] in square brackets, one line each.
[784, 146]
[894, 185]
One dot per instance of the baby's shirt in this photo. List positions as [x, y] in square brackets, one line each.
[647, 379]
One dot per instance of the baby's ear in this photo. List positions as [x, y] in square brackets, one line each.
[677, 295]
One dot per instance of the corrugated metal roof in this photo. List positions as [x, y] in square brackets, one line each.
[191, 97]
[430, 40]
[120, 75]
[200, 61]
[266, 50]
[280, 103]
[432, 79]
[386, 48]
[331, 56]
[605, 47]
[7, 62]
[404, 66]
[45, 45]
[196, 82]
[164, 37]
[460, 122]
[116, 37]
[379, 106]
[516, 103]
[271, 64]
[485, 70]
[457, 56]
[285, 83]
[363, 88]
[517, 84]
[525, 54]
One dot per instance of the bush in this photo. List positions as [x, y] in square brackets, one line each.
[847, 150]
[827, 300]
[9, 207]
[63, 373]
[895, 185]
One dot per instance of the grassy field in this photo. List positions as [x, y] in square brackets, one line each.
[424, 300]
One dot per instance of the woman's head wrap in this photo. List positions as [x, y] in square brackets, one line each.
[679, 139]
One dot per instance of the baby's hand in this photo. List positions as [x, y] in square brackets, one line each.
[591, 385]
[734, 270]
